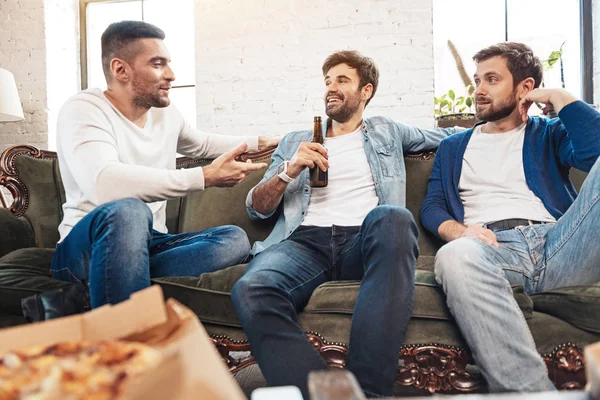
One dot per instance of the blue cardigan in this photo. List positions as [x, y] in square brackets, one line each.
[550, 148]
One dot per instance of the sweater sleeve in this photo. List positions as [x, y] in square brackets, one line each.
[194, 143]
[580, 146]
[88, 151]
[434, 209]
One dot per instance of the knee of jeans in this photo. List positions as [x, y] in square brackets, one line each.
[250, 289]
[132, 214]
[236, 243]
[390, 218]
[452, 260]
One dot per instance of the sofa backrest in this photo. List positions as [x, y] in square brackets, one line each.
[33, 178]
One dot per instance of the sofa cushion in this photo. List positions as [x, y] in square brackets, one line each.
[209, 296]
[578, 305]
[23, 273]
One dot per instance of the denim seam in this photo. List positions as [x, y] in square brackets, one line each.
[70, 273]
[574, 228]
[184, 239]
[513, 302]
[303, 284]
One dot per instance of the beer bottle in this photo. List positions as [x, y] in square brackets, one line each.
[318, 177]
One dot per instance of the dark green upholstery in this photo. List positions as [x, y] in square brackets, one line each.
[555, 317]
[25, 272]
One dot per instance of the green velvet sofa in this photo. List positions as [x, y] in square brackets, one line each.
[434, 357]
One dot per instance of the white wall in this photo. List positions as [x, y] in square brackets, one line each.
[258, 63]
[62, 58]
[23, 52]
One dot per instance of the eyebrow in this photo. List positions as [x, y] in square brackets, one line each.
[487, 74]
[338, 77]
[158, 58]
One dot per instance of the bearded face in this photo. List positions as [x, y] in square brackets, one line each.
[492, 109]
[341, 107]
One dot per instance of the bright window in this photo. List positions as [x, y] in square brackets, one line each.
[472, 25]
[175, 18]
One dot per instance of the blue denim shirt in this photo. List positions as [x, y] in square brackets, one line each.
[385, 142]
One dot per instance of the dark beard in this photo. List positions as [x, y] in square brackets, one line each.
[147, 100]
[495, 114]
[346, 111]
[144, 98]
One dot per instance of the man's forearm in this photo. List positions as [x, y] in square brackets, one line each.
[560, 98]
[451, 230]
[267, 196]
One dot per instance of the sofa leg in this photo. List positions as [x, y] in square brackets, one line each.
[566, 367]
[432, 367]
[437, 368]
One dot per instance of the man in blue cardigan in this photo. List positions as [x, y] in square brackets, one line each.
[500, 194]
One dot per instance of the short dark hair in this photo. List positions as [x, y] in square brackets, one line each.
[118, 38]
[365, 66]
[521, 61]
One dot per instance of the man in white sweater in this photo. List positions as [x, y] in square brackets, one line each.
[117, 152]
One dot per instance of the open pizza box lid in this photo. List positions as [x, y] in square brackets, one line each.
[592, 369]
[192, 367]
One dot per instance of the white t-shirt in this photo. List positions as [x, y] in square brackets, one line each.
[492, 184]
[350, 191]
[103, 156]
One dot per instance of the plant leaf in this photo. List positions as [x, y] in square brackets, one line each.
[451, 94]
[469, 101]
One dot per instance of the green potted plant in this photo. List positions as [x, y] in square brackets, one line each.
[450, 110]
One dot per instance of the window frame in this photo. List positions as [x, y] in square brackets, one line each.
[83, 53]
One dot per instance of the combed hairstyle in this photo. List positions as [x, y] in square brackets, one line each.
[365, 66]
[521, 61]
[118, 40]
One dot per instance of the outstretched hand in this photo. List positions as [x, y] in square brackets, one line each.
[225, 171]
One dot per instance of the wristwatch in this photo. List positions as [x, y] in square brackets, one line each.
[282, 172]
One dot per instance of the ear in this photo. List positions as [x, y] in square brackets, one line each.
[526, 86]
[367, 92]
[119, 69]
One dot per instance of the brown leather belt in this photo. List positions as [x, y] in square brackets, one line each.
[510, 224]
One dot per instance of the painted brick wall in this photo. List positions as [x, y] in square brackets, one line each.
[258, 62]
[23, 52]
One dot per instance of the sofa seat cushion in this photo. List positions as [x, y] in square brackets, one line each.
[578, 305]
[209, 297]
[23, 273]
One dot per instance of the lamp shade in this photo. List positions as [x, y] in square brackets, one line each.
[10, 104]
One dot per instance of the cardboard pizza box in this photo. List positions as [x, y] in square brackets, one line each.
[592, 369]
[192, 367]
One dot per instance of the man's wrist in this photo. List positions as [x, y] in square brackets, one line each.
[283, 173]
[451, 230]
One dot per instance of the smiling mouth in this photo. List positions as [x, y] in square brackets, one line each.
[333, 100]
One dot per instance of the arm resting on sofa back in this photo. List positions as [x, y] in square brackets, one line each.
[15, 233]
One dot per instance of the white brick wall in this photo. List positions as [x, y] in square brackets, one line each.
[23, 52]
[258, 63]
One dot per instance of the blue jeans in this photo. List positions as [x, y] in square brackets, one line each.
[477, 279]
[279, 282]
[115, 251]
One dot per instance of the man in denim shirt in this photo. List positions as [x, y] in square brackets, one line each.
[356, 228]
